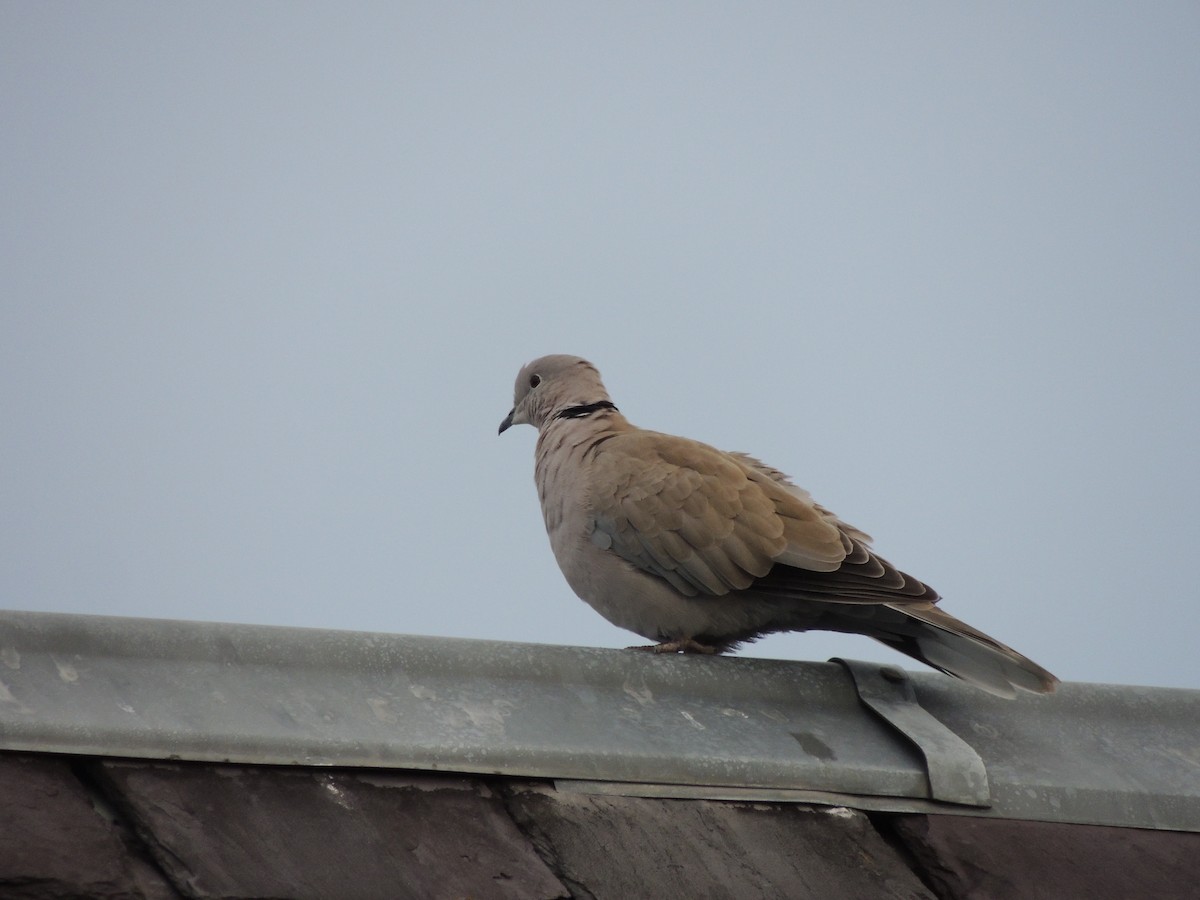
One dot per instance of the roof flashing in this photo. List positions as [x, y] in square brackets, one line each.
[955, 771]
[625, 722]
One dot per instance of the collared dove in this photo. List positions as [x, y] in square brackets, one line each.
[701, 550]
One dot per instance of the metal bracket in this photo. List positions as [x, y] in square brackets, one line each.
[956, 772]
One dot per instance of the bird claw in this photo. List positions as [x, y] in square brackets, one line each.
[683, 645]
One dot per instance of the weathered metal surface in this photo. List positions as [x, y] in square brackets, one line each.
[956, 773]
[616, 721]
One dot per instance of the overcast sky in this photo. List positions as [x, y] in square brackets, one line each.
[269, 271]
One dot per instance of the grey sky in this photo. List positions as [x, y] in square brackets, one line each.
[269, 271]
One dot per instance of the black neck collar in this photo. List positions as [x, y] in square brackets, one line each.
[582, 412]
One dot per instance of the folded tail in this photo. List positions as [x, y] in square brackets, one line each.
[954, 647]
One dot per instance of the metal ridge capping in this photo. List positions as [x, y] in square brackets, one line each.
[600, 720]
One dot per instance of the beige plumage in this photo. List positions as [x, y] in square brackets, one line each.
[702, 550]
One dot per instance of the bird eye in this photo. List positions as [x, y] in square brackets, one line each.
[535, 380]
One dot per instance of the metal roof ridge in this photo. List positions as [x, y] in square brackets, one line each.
[629, 722]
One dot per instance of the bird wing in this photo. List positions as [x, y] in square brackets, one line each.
[710, 523]
[706, 521]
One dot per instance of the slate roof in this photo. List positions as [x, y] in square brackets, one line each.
[156, 759]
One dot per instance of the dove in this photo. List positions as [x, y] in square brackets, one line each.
[701, 550]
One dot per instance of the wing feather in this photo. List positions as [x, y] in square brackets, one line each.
[706, 521]
[711, 523]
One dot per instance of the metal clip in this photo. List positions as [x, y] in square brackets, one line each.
[956, 772]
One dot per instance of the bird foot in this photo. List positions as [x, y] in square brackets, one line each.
[684, 645]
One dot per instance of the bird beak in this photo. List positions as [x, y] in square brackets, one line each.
[507, 423]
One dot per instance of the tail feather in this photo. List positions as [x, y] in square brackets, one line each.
[954, 647]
